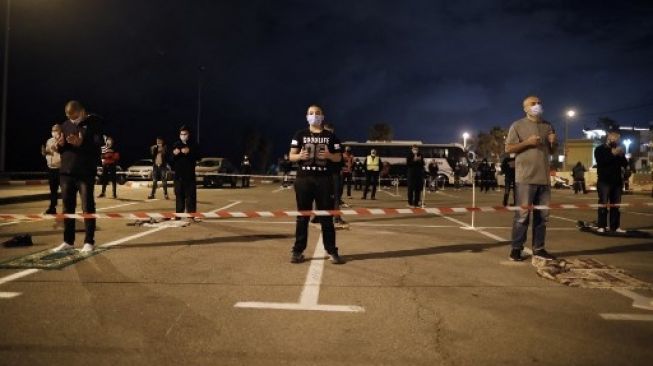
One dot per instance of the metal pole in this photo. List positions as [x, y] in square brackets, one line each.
[564, 166]
[424, 193]
[199, 100]
[473, 195]
[5, 76]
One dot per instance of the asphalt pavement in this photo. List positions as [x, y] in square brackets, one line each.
[416, 289]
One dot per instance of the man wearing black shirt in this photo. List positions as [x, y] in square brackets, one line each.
[313, 148]
[185, 155]
[79, 146]
[610, 160]
[415, 165]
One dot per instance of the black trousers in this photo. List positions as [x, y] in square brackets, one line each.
[579, 185]
[509, 186]
[358, 181]
[53, 181]
[609, 193]
[70, 186]
[186, 195]
[318, 190]
[159, 173]
[108, 175]
[245, 181]
[345, 180]
[415, 186]
[371, 178]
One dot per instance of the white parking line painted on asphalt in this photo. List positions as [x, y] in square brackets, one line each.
[232, 204]
[637, 213]
[280, 189]
[9, 295]
[9, 223]
[17, 275]
[631, 317]
[308, 300]
[563, 218]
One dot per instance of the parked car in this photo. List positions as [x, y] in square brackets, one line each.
[120, 174]
[208, 168]
[140, 170]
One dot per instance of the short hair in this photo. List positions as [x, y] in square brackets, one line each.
[160, 138]
[56, 126]
[75, 105]
[315, 106]
[184, 128]
[528, 97]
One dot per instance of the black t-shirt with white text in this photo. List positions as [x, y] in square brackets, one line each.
[315, 143]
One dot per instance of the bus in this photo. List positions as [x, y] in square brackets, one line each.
[395, 152]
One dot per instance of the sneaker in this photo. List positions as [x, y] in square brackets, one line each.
[336, 259]
[87, 248]
[543, 254]
[165, 197]
[197, 219]
[150, 197]
[515, 255]
[600, 230]
[620, 231]
[345, 205]
[64, 247]
[296, 257]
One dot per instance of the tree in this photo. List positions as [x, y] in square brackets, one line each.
[491, 145]
[380, 132]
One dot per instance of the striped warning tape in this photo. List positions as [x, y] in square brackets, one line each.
[294, 213]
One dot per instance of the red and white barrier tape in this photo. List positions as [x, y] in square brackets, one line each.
[294, 213]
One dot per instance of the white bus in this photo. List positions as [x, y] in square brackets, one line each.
[395, 152]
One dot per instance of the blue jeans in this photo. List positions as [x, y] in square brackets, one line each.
[527, 195]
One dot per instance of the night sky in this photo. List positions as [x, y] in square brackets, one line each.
[430, 69]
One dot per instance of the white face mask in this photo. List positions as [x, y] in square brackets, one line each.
[536, 110]
[314, 119]
[55, 134]
[415, 151]
[183, 138]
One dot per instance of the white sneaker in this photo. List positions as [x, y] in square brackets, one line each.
[620, 231]
[87, 248]
[600, 230]
[64, 247]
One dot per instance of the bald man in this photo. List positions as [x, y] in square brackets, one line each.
[533, 141]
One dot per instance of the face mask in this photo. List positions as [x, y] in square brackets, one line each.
[536, 110]
[55, 134]
[315, 119]
[612, 144]
[415, 151]
[183, 138]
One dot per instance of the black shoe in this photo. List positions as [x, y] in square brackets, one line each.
[24, 240]
[296, 257]
[363, 198]
[150, 197]
[166, 197]
[336, 259]
[50, 211]
[100, 195]
[543, 254]
[515, 255]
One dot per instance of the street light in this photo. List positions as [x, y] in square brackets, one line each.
[570, 114]
[465, 137]
[627, 143]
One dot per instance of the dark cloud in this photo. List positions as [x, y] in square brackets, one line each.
[430, 68]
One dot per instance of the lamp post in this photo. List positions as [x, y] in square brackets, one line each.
[5, 75]
[627, 143]
[570, 114]
[465, 137]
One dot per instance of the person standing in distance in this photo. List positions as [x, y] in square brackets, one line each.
[159, 153]
[610, 161]
[53, 160]
[79, 146]
[372, 171]
[110, 159]
[533, 140]
[185, 155]
[314, 148]
[415, 169]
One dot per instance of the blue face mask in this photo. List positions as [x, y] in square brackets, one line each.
[536, 110]
[314, 119]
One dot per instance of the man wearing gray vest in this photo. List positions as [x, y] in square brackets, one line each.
[533, 141]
